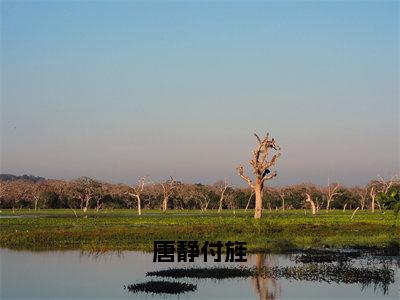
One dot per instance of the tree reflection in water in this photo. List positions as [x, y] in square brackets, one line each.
[98, 255]
[266, 288]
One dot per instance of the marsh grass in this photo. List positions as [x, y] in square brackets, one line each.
[277, 232]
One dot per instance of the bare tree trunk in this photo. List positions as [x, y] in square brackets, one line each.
[379, 205]
[258, 204]
[313, 209]
[331, 192]
[139, 205]
[344, 207]
[372, 194]
[248, 202]
[74, 211]
[282, 196]
[354, 212]
[168, 187]
[98, 205]
[87, 200]
[222, 189]
[373, 204]
[204, 206]
[137, 191]
[261, 165]
[165, 204]
[221, 199]
[36, 202]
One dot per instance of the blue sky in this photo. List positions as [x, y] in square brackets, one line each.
[117, 90]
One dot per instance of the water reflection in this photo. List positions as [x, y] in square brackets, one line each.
[266, 288]
[98, 255]
[99, 274]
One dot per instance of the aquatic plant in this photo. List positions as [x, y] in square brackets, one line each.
[340, 273]
[326, 256]
[161, 287]
[211, 273]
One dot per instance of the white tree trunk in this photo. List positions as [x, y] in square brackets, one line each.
[139, 206]
[373, 203]
[313, 209]
[258, 205]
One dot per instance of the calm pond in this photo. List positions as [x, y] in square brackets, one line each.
[83, 275]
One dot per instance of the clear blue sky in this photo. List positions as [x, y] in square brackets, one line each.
[117, 90]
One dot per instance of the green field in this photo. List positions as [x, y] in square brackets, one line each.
[277, 231]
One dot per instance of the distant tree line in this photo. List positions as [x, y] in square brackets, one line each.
[86, 193]
[9, 177]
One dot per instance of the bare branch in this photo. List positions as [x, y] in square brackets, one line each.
[241, 174]
[258, 138]
[260, 165]
[270, 176]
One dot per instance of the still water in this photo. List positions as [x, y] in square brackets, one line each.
[83, 275]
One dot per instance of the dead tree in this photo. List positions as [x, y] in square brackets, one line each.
[282, 194]
[317, 205]
[222, 187]
[330, 193]
[248, 202]
[379, 186]
[202, 195]
[362, 193]
[168, 187]
[261, 169]
[313, 207]
[137, 192]
[231, 202]
[386, 185]
[372, 194]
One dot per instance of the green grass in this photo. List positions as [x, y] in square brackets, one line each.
[125, 230]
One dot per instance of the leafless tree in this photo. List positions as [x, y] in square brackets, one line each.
[37, 191]
[168, 187]
[137, 192]
[231, 202]
[202, 195]
[372, 194]
[283, 192]
[261, 169]
[362, 193]
[313, 207]
[222, 187]
[387, 184]
[331, 192]
[380, 186]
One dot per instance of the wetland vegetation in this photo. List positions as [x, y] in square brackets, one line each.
[277, 231]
